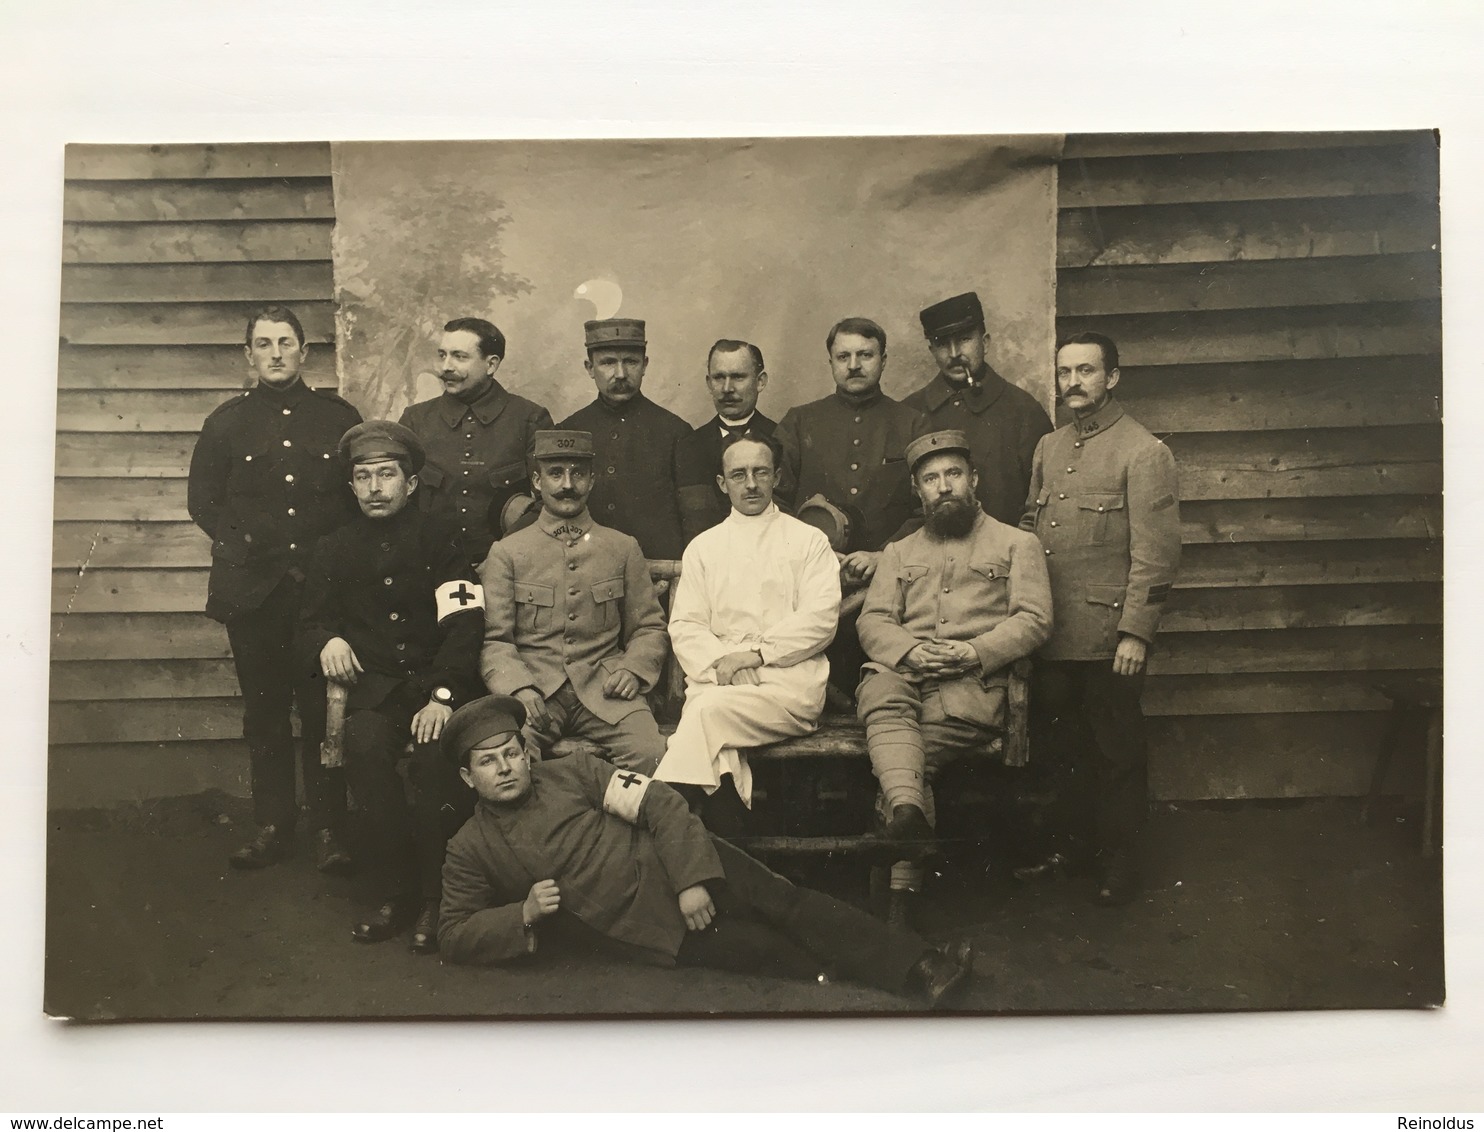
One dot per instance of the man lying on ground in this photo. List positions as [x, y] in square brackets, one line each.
[576, 845]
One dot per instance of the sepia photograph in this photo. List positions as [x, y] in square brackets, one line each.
[766, 577]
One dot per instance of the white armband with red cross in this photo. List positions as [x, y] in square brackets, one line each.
[457, 596]
[625, 794]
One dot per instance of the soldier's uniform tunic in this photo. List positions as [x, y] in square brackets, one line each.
[375, 583]
[1104, 502]
[1003, 424]
[621, 849]
[476, 459]
[701, 503]
[265, 483]
[567, 603]
[634, 480]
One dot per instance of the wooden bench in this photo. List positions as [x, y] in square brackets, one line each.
[838, 737]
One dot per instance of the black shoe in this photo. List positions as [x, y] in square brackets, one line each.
[1049, 868]
[267, 848]
[1121, 881]
[330, 856]
[425, 931]
[907, 837]
[940, 979]
[961, 951]
[391, 919]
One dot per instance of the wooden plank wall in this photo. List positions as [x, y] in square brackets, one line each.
[165, 250]
[1275, 299]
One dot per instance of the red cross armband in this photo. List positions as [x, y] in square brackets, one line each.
[625, 794]
[457, 596]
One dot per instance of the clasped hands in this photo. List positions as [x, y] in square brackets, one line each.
[942, 660]
[738, 667]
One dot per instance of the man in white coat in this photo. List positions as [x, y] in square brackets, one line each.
[756, 606]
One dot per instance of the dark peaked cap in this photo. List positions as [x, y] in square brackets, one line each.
[479, 720]
[382, 440]
[962, 312]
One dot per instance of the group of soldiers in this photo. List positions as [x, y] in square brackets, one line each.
[485, 590]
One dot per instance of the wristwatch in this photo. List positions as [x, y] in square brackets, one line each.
[442, 695]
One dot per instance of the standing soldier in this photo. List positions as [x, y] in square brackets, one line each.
[734, 377]
[850, 449]
[633, 441]
[476, 434]
[392, 612]
[572, 625]
[1105, 504]
[1003, 423]
[265, 484]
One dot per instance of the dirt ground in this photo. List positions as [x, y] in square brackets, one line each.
[1248, 907]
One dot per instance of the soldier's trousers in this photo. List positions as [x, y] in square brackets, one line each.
[769, 925]
[633, 743]
[272, 682]
[408, 836]
[1089, 737]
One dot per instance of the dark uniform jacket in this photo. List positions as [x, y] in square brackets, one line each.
[568, 599]
[376, 583]
[476, 459]
[633, 458]
[697, 464]
[988, 588]
[1003, 424]
[265, 483]
[855, 455]
[620, 847]
[1106, 506]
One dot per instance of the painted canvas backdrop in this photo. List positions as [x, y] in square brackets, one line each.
[770, 240]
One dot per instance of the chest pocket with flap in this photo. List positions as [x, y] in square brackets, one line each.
[608, 593]
[1099, 515]
[533, 603]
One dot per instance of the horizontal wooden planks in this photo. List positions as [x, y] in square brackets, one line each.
[102, 775]
[216, 241]
[1400, 223]
[1315, 393]
[1397, 460]
[144, 411]
[152, 454]
[128, 591]
[120, 499]
[1361, 330]
[1250, 284]
[1215, 565]
[281, 198]
[178, 366]
[156, 324]
[1308, 520]
[165, 679]
[1239, 693]
[247, 283]
[187, 160]
[101, 545]
[1106, 182]
[145, 721]
[1125, 145]
[1299, 607]
[136, 636]
[1357, 648]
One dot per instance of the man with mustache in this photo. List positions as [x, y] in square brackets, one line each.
[847, 447]
[1105, 502]
[734, 377]
[392, 612]
[578, 850]
[265, 483]
[573, 628]
[476, 434]
[754, 610]
[950, 608]
[1002, 422]
[633, 440]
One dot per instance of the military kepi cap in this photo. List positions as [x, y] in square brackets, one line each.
[615, 332]
[962, 312]
[382, 440]
[486, 718]
[945, 440]
[562, 444]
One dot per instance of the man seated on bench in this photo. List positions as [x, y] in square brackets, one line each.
[756, 606]
[951, 607]
[577, 848]
[573, 628]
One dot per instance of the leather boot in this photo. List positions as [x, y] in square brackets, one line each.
[268, 847]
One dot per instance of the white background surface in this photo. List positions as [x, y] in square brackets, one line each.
[156, 71]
